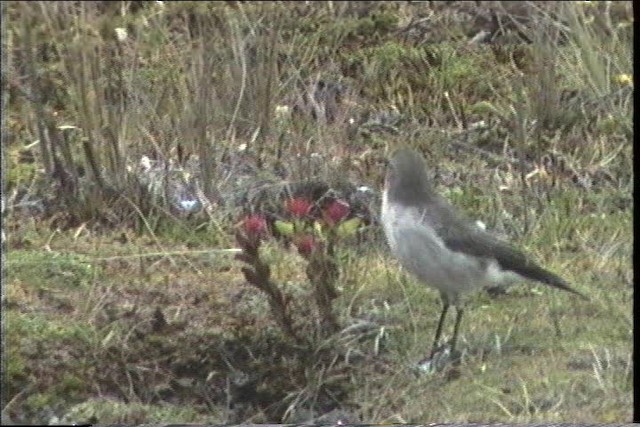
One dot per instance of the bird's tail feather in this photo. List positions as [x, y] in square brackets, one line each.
[550, 279]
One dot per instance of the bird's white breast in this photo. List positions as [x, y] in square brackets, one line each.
[420, 250]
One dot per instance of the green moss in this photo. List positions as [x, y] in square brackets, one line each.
[39, 400]
[49, 269]
[110, 412]
[30, 332]
[18, 172]
[42, 353]
[71, 384]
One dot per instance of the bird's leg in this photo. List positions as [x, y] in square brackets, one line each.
[456, 327]
[445, 308]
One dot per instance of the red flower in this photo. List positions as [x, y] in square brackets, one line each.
[299, 208]
[336, 212]
[306, 244]
[254, 226]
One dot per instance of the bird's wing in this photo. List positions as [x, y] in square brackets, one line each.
[474, 241]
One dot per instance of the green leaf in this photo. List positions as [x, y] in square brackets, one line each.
[318, 229]
[484, 107]
[299, 226]
[284, 228]
[349, 227]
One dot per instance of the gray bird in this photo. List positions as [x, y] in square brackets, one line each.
[444, 249]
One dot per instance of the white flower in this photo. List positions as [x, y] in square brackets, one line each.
[145, 163]
[121, 34]
[282, 111]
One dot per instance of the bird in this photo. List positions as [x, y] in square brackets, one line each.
[444, 249]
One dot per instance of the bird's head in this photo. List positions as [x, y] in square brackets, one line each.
[406, 180]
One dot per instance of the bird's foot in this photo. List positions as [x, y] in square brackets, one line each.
[496, 291]
[439, 359]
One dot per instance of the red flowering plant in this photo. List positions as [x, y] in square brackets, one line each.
[299, 212]
[336, 224]
[309, 233]
[306, 244]
[251, 233]
[298, 208]
[315, 238]
[335, 212]
[254, 227]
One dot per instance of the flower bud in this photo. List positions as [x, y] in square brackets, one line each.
[306, 244]
[254, 226]
[336, 212]
[298, 208]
